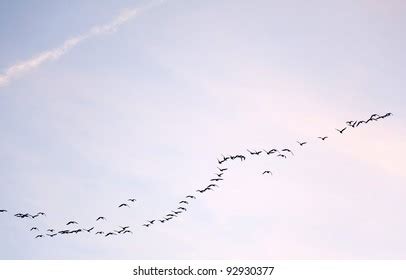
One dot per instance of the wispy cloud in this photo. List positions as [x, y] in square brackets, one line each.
[23, 67]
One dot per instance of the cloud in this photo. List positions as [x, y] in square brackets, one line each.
[21, 68]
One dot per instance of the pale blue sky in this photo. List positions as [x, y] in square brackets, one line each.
[145, 111]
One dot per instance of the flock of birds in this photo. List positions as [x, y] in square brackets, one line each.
[181, 207]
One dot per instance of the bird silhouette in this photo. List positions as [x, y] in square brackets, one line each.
[22, 216]
[272, 151]
[323, 138]
[360, 122]
[213, 185]
[301, 143]
[71, 223]
[183, 201]
[39, 236]
[222, 169]
[123, 204]
[191, 196]
[151, 222]
[372, 118]
[99, 232]
[182, 208]
[146, 225]
[219, 174]
[220, 161]
[216, 179]
[41, 213]
[3, 210]
[50, 230]
[34, 228]
[100, 218]
[287, 150]
[254, 152]
[127, 231]
[132, 199]
[281, 155]
[88, 230]
[52, 235]
[110, 233]
[341, 130]
[241, 157]
[267, 172]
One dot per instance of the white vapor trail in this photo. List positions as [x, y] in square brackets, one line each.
[20, 68]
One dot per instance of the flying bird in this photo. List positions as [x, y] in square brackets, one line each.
[255, 152]
[100, 218]
[132, 199]
[71, 223]
[127, 231]
[182, 208]
[146, 225]
[100, 232]
[220, 161]
[123, 204]
[110, 233]
[323, 138]
[50, 230]
[217, 179]
[52, 235]
[34, 228]
[267, 172]
[39, 236]
[287, 150]
[219, 174]
[89, 230]
[3, 210]
[360, 122]
[342, 130]
[281, 155]
[151, 222]
[222, 169]
[301, 143]
[272, 151]
[184, 201]
[191, 196]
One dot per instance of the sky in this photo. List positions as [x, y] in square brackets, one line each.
[101, 101]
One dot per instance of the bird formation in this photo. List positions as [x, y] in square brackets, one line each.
[182, 206]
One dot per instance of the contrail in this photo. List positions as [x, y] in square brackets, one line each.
[23, 67]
